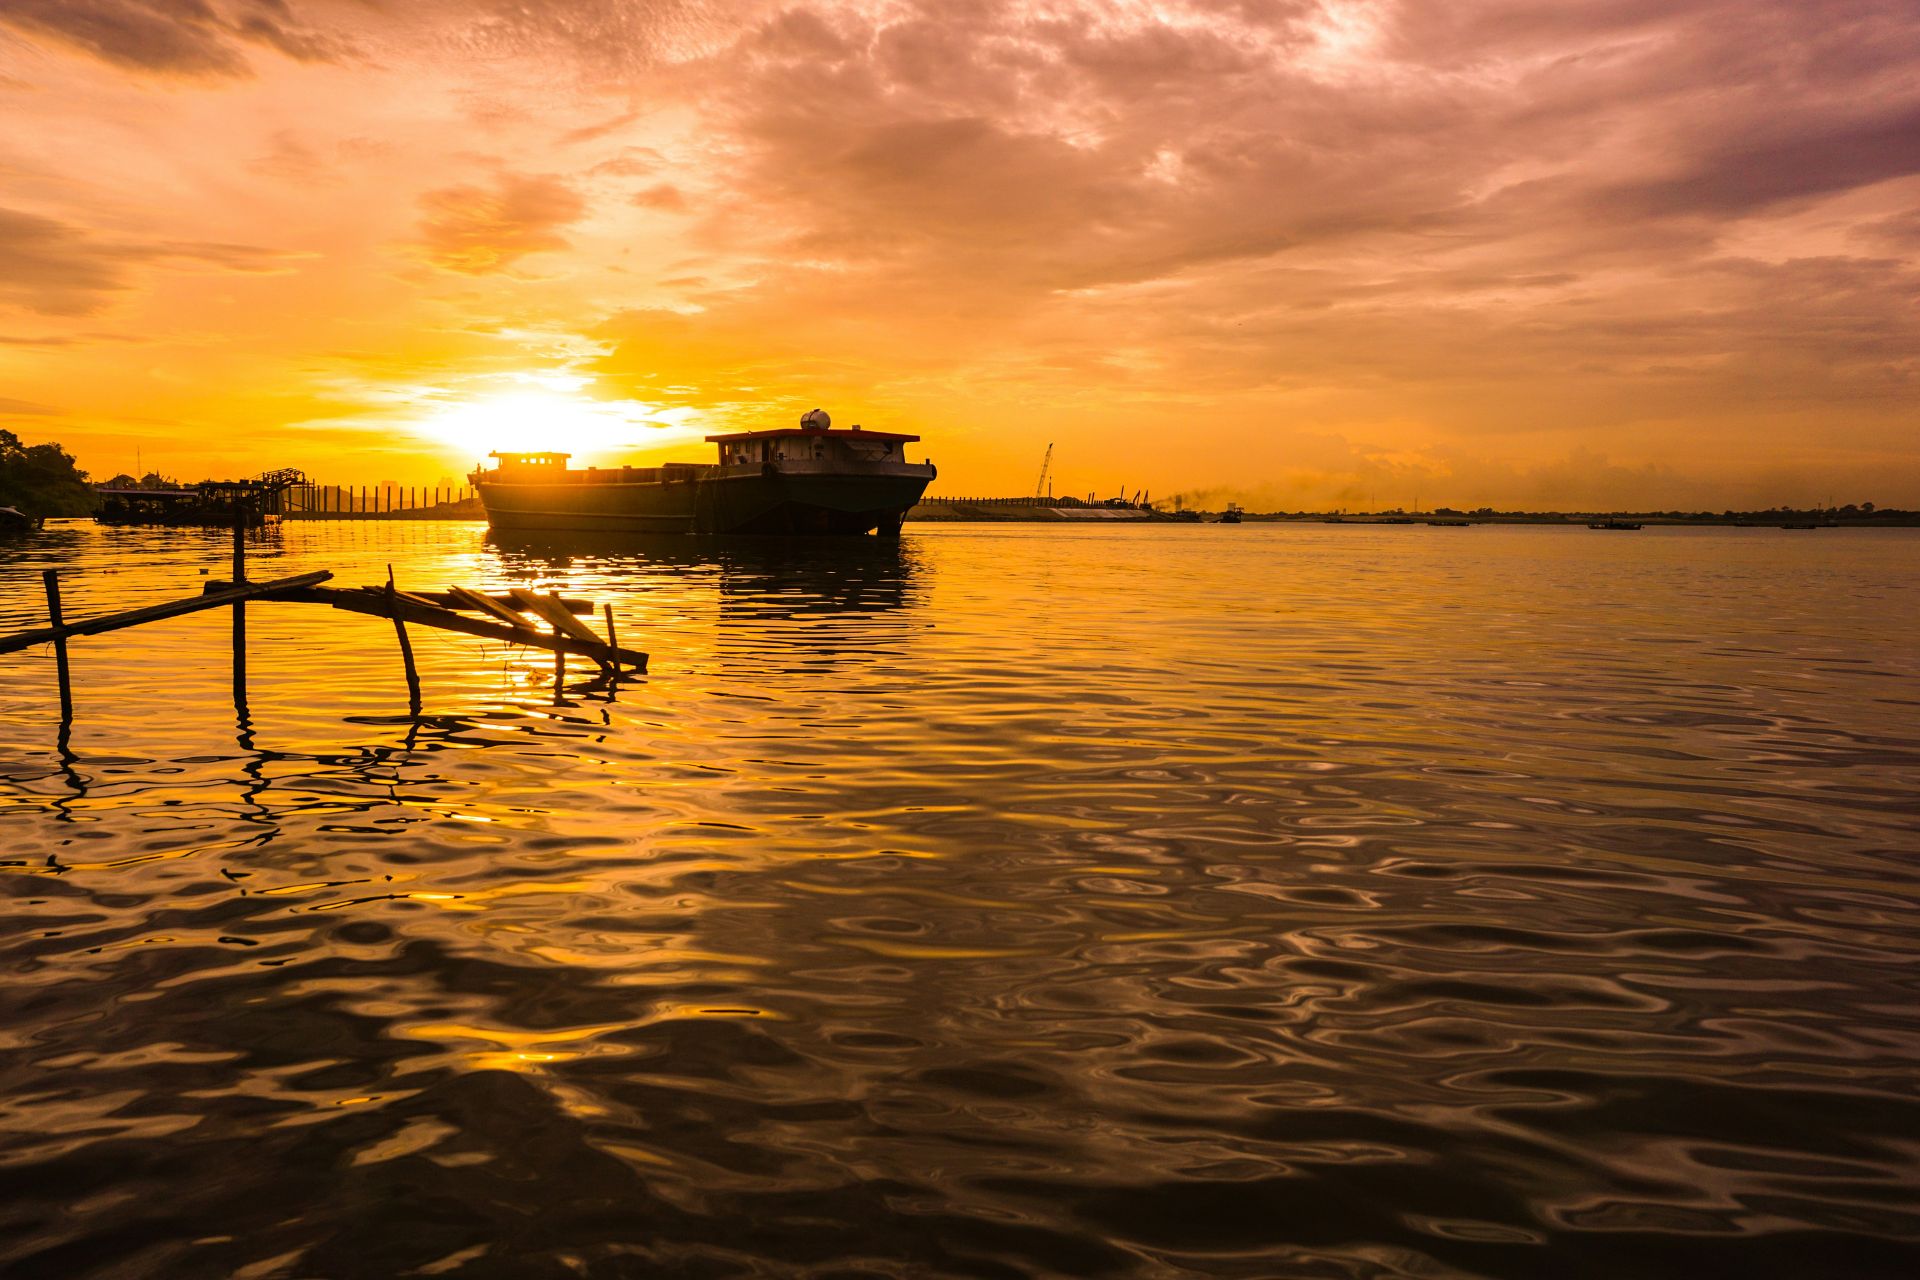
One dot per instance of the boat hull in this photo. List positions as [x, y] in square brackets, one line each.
[767, 502]
[661, 507]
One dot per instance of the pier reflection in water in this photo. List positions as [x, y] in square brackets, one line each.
[1222, 901]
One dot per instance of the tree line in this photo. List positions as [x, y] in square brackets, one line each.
[42, 479]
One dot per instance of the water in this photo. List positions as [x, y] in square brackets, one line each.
[1257, 901]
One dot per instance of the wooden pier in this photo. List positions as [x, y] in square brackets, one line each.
[514, 617]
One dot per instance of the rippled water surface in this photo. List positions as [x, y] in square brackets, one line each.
[1256, 901]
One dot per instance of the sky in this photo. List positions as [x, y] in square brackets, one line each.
[1589, 254]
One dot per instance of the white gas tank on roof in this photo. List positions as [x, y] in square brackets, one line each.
[815, 420]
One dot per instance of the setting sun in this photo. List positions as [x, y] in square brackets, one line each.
[550, 413]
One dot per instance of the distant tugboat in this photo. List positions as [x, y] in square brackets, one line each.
[1231, 515]
[805, 479]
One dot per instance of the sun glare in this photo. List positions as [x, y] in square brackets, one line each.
[550, 419]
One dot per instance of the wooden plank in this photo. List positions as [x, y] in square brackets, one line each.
[456, 599]
[412, 597]
[479, 603]
[377, 606]
[212, 599]
[555, 614]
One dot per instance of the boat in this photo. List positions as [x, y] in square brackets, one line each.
[14, 520]
[809, 479]
[1231, 515]
[1450, 524]
[1612, 524]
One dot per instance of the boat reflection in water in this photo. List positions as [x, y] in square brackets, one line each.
[792, 577]
[784, 604]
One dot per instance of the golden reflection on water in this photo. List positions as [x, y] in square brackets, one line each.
[1079, 901]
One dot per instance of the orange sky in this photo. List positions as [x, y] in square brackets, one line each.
[1296, 252]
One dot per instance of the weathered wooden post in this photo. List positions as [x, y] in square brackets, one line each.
[240, 658]
[52, 578]
[239, 543]
[613, 639]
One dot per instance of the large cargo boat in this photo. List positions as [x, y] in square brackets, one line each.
[805, 479]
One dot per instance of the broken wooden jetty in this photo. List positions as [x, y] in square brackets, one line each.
[514, 617]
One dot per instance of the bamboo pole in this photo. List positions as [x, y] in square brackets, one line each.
[373, 602]
[52, 578]
[153, 613]
[613, 637]
[406, 648]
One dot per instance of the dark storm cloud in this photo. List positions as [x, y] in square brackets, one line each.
[170, 37]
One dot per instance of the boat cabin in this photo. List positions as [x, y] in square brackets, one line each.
[536, 463]
[794, 444]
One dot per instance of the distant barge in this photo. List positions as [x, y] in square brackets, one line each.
[808, 479]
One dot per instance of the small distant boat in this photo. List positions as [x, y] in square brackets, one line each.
[1612, 524]
[14, 520]
[1449, 524]
[1231, 515]
[1802, 524]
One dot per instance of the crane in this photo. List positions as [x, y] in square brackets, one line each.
[1046, 464]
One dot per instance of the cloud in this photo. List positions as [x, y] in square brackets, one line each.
[662, 197]
[58, 269]
[171, 37]
[476, 230]
[9, 407]
[1798, 158]
[49, 267]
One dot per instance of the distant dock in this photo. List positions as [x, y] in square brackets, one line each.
[380, 502]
